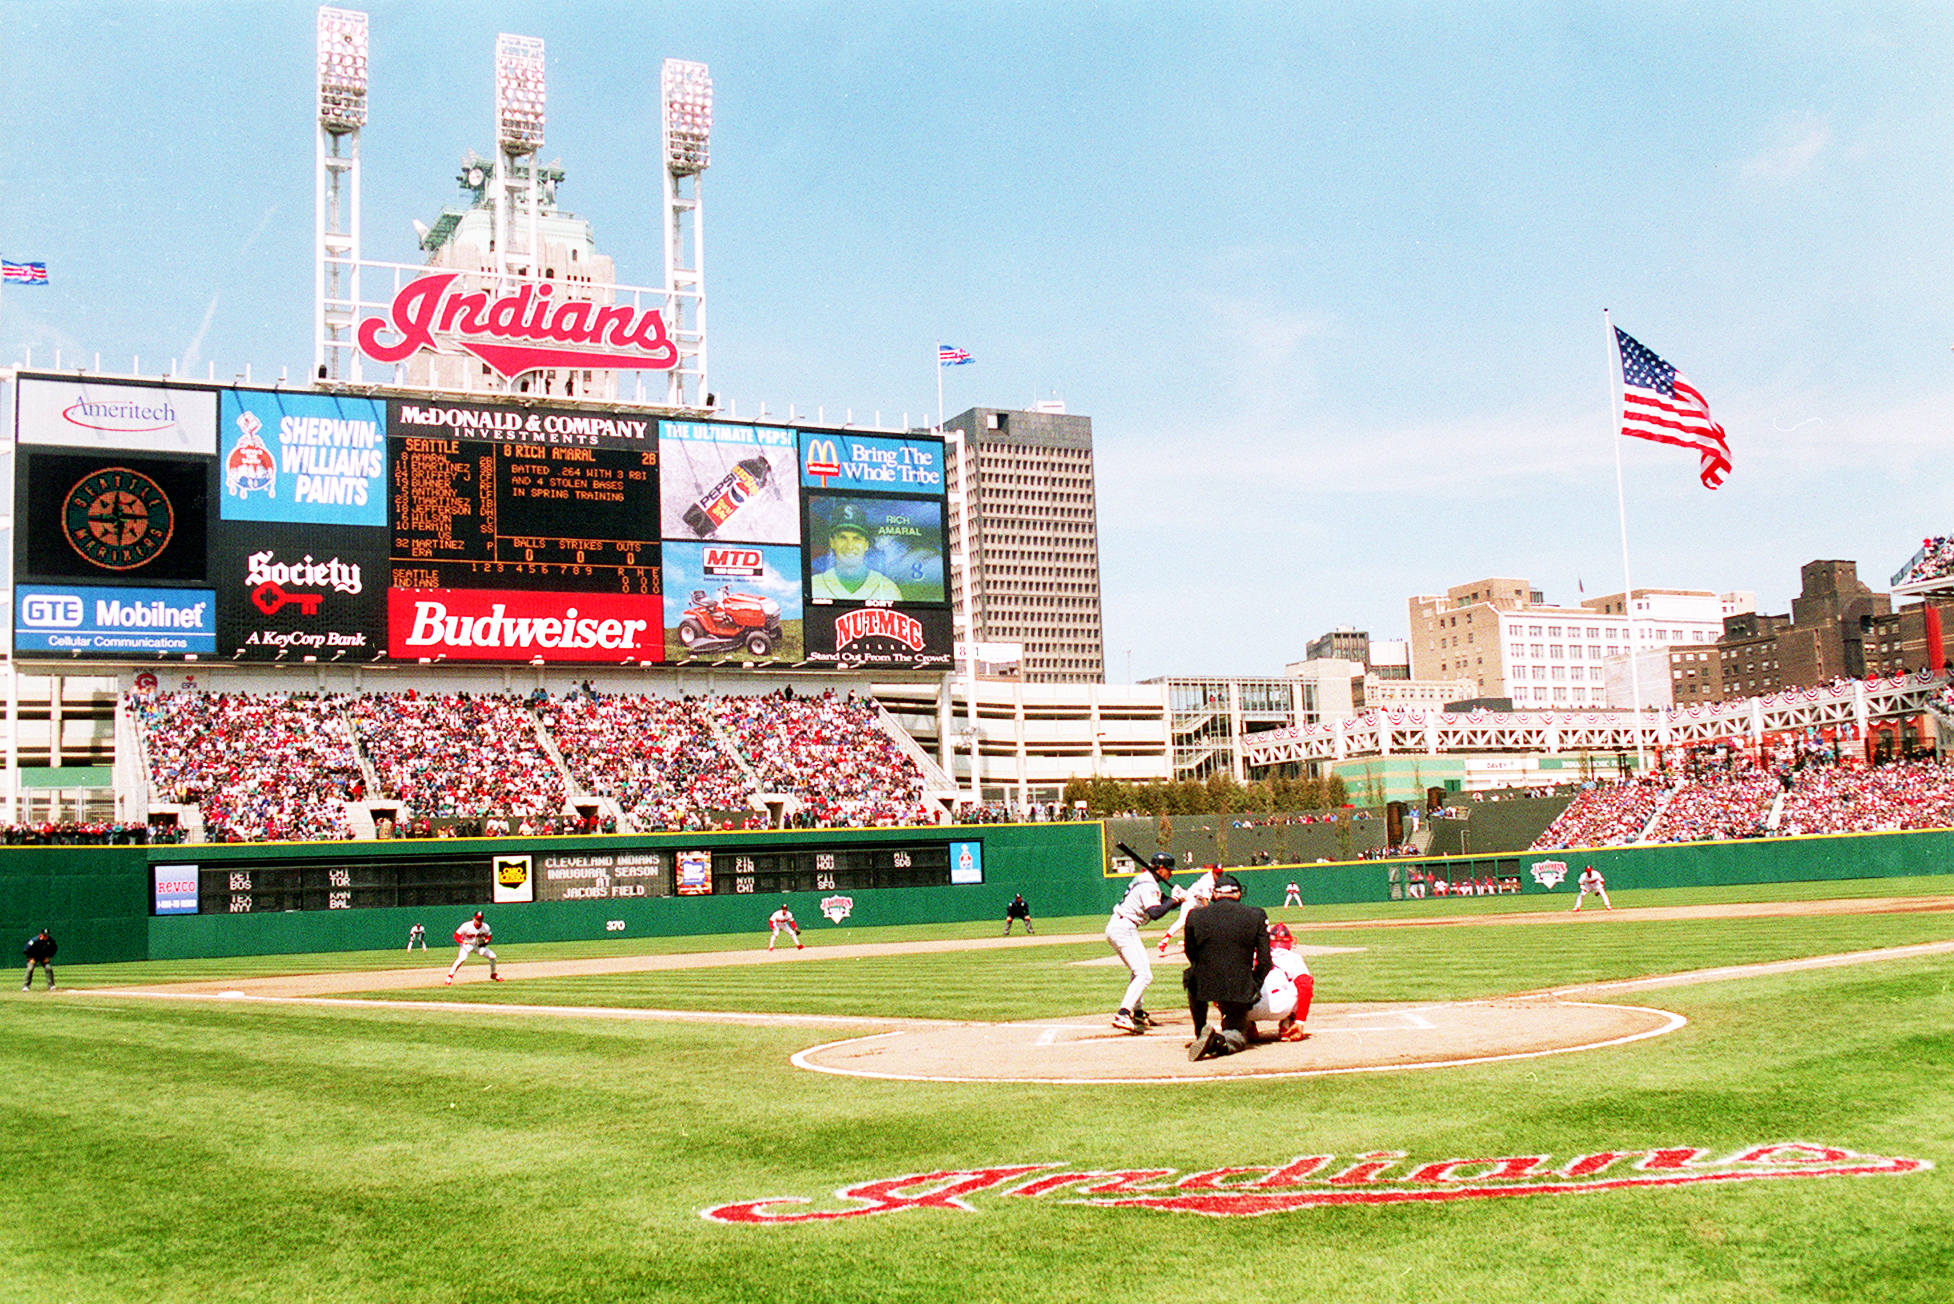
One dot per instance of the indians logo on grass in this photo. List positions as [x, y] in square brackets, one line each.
[1313, 1181]
[837, 908]
[1549, 873]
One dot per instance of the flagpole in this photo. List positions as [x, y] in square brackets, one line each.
[1621, 511]
[939, 385]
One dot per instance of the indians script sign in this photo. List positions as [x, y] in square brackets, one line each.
[1313, 1181]
[520, 331]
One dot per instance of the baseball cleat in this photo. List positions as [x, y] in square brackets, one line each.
[1145, 1020]
[495, 977]
[1124, 1022]
[450, 980]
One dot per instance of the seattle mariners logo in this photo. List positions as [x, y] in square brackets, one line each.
[1549, 873]
[837, 908]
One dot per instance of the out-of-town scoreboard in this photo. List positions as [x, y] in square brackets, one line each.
[172, 521]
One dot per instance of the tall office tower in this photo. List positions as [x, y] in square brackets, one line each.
[1033, 539]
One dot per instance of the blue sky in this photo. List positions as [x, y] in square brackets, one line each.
[1329, 283]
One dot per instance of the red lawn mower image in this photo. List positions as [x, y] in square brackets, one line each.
[731, 620]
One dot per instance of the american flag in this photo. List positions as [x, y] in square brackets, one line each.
[1659, 403]
[13, 273]
[948, 355]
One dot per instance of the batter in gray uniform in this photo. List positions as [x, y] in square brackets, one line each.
[1142, 904]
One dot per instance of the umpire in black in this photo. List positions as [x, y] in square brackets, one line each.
[39, 950]
[1227, 947]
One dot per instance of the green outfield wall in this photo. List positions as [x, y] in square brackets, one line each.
[98, 900]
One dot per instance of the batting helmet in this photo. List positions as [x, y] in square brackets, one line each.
[1161, 860]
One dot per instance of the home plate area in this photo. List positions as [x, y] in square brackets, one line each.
[1358, 1038]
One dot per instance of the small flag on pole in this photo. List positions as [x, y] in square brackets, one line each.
[1659, 403]
[13, 273]
[948, 355]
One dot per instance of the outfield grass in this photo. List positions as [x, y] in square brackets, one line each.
[204, 1151]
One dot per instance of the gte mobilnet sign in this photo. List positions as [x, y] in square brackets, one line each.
[114, 621]
[506, 625]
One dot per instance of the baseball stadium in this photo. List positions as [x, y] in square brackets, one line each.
[489, 821]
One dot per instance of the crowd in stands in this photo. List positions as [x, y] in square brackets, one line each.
[266, 767]
[1749, 797]
[829, 751]
[1935, 559]
[261, 767]
[657, 757]
[87, 833]
[457, 755]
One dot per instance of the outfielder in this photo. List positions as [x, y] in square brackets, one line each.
[473, 938]
[1591, 881]
[1018, 909]
[1288, 990]
[417, 934]
[1141, 904]
[1292, 895]
[783, 922]
[39, 950]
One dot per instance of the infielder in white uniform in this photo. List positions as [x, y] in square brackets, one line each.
[473, 938]
[1141, 904]
[1287, 991]
[1292, 895]
[417, 934]
[1591, 881]
[1199, 893]
[783, 922]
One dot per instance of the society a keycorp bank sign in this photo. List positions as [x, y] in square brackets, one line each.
[518, 332]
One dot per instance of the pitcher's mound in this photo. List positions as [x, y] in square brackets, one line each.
[1343, 1039]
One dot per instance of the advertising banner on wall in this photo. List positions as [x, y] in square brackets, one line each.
[875, 549]
[100, 415]
[100, 621]
[302, 458]
[742, 598]
[729, 483]
[833, 460]
[879, 636]
[113, 517]
[519, 625]
[290, 591]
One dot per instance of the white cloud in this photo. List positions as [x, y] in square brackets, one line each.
[1804, 142]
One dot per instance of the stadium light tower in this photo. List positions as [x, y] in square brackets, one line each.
[519, 118]
[685, 115]
[336, 193]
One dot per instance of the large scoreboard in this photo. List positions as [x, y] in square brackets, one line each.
[178, 521]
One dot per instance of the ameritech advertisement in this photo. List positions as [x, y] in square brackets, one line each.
[138, 418]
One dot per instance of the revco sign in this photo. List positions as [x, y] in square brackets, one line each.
[518, 332]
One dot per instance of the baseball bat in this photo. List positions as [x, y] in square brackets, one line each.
[1142, 860]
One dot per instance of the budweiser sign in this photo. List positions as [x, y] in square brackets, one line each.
[1317, 1181]
[507, 625]
[518, 332]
